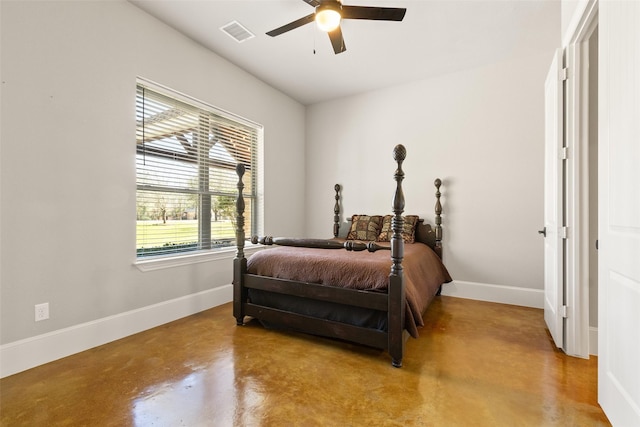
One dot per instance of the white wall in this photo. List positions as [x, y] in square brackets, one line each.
[68, 158]
[481, 131]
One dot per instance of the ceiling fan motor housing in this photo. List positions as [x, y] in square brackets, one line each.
[328, 15]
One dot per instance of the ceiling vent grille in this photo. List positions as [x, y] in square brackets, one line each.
[237, 31]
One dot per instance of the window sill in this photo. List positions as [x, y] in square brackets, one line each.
[161, 262]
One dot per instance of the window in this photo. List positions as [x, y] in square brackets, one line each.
[186, 155]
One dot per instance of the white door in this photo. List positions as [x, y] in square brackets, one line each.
[619, 213]
[553, 253]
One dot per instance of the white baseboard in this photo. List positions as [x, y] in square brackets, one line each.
[495, 293]
[25, 354]
[593, 340]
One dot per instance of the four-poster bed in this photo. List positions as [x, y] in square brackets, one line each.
[344, 288]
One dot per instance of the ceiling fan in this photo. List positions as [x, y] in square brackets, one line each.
[329, 13]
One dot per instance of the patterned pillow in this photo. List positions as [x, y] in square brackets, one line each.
[365, 227]
[408, 229]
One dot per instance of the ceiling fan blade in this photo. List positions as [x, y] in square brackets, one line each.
[373, 13]
[313, 3]
[292, 25]
[337, 41]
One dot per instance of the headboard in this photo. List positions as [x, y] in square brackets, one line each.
[425, 233]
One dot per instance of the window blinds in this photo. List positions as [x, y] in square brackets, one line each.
[186, 154]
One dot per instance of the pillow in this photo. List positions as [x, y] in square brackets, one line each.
[365, 227]
[408, 229]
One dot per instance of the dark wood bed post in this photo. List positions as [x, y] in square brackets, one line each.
[438, 219]
[336, 212]
[396, 278]
[240, 262]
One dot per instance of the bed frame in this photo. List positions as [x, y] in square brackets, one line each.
[392, 302]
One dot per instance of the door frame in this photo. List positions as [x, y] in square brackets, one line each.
[577, 184]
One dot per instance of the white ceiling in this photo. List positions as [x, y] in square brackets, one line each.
[435, 37]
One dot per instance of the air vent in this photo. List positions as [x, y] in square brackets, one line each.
[237, 31]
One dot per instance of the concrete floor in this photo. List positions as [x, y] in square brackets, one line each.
[475, 364]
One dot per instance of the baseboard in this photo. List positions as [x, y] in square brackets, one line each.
[25, 354]
[593, 341]
[495, 293]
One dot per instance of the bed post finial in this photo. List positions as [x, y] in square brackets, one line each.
[336, 212]
[438, 219]
[399, 153]
[240, 212]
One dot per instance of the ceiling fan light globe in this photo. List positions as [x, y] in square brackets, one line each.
[328, 19]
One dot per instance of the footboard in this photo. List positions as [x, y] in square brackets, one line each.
[316, 325]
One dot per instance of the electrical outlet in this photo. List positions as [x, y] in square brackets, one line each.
[42, 311]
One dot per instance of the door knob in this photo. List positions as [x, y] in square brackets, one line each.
[543, 231]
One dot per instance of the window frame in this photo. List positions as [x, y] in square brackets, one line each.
[183, 257]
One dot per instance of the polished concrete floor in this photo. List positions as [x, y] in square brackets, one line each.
[475, 364]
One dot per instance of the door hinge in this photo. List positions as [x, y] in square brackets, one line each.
[564, 153]
[564, 74]
[565, 311]
[564, 232]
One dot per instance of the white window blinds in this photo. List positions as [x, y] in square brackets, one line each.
[186, 154]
